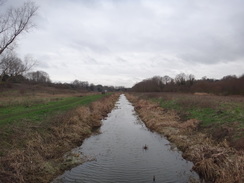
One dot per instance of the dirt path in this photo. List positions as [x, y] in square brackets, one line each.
[215, 162]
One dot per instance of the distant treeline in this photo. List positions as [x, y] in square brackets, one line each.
[14, 70]
[228, 85]
[85, 86]
[42, 78]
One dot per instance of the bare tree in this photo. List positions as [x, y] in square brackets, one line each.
[190, 79]
[11, 65]
[80, 84]
[14, 22]
[180, 79]
[166, 79]
[38, 76]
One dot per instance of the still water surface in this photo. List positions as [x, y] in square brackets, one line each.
[119, 155]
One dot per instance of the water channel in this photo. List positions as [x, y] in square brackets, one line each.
[119, 153]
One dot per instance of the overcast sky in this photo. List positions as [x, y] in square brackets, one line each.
[121, 42]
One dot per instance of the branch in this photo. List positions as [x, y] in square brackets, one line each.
[15, 22]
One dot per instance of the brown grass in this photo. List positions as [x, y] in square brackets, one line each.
[28, 99]
[189, 100]
[25, 94]
[214, 161]
[227, 116]
[34, 152]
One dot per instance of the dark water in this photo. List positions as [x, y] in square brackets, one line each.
[120, 157]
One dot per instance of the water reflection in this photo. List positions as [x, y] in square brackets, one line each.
[120, 156]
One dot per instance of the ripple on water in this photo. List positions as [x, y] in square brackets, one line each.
[120, 156]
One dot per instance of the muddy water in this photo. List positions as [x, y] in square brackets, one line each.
[118, 154]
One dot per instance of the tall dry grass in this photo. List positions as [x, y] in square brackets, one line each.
[215, 162]
[35, 151]
[30, 99]
[194, 100]
[222, 117]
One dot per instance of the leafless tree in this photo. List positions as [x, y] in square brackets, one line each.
[38, 76]
[11, 65]
[166, 79]
[190, 79]
[80, 84]
[180, 79]
[14, 22]
[228, 85]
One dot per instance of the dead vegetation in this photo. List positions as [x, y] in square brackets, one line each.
[33, 152]
[32, 95]
[221, 117]
[214, 161]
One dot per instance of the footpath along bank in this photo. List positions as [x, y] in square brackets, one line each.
[34, 152]
[215, 162]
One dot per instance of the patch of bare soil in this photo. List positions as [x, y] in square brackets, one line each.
[35, 152]
[215, 161]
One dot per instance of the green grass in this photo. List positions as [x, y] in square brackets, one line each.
[170, 104]
[38, 112]
[224, 113]
[210, 116]
[207, 116]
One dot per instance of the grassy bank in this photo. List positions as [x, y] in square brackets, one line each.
[35, 110]
[32, 149]
[221, 117]
[172, 115]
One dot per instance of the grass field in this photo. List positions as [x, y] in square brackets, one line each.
[35, 137]
[220, 116]
[36, 109]
[206, 109]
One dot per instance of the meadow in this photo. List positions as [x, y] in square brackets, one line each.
[222, 117]
[39, 107]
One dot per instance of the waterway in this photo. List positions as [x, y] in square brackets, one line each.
[118, 153]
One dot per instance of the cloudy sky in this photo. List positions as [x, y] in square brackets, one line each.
[121, 42]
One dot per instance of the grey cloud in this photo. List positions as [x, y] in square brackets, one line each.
[90, 61]
[121, 60]
[139, 38]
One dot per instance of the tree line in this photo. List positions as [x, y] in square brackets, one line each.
[15, 70]
[228, 85]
